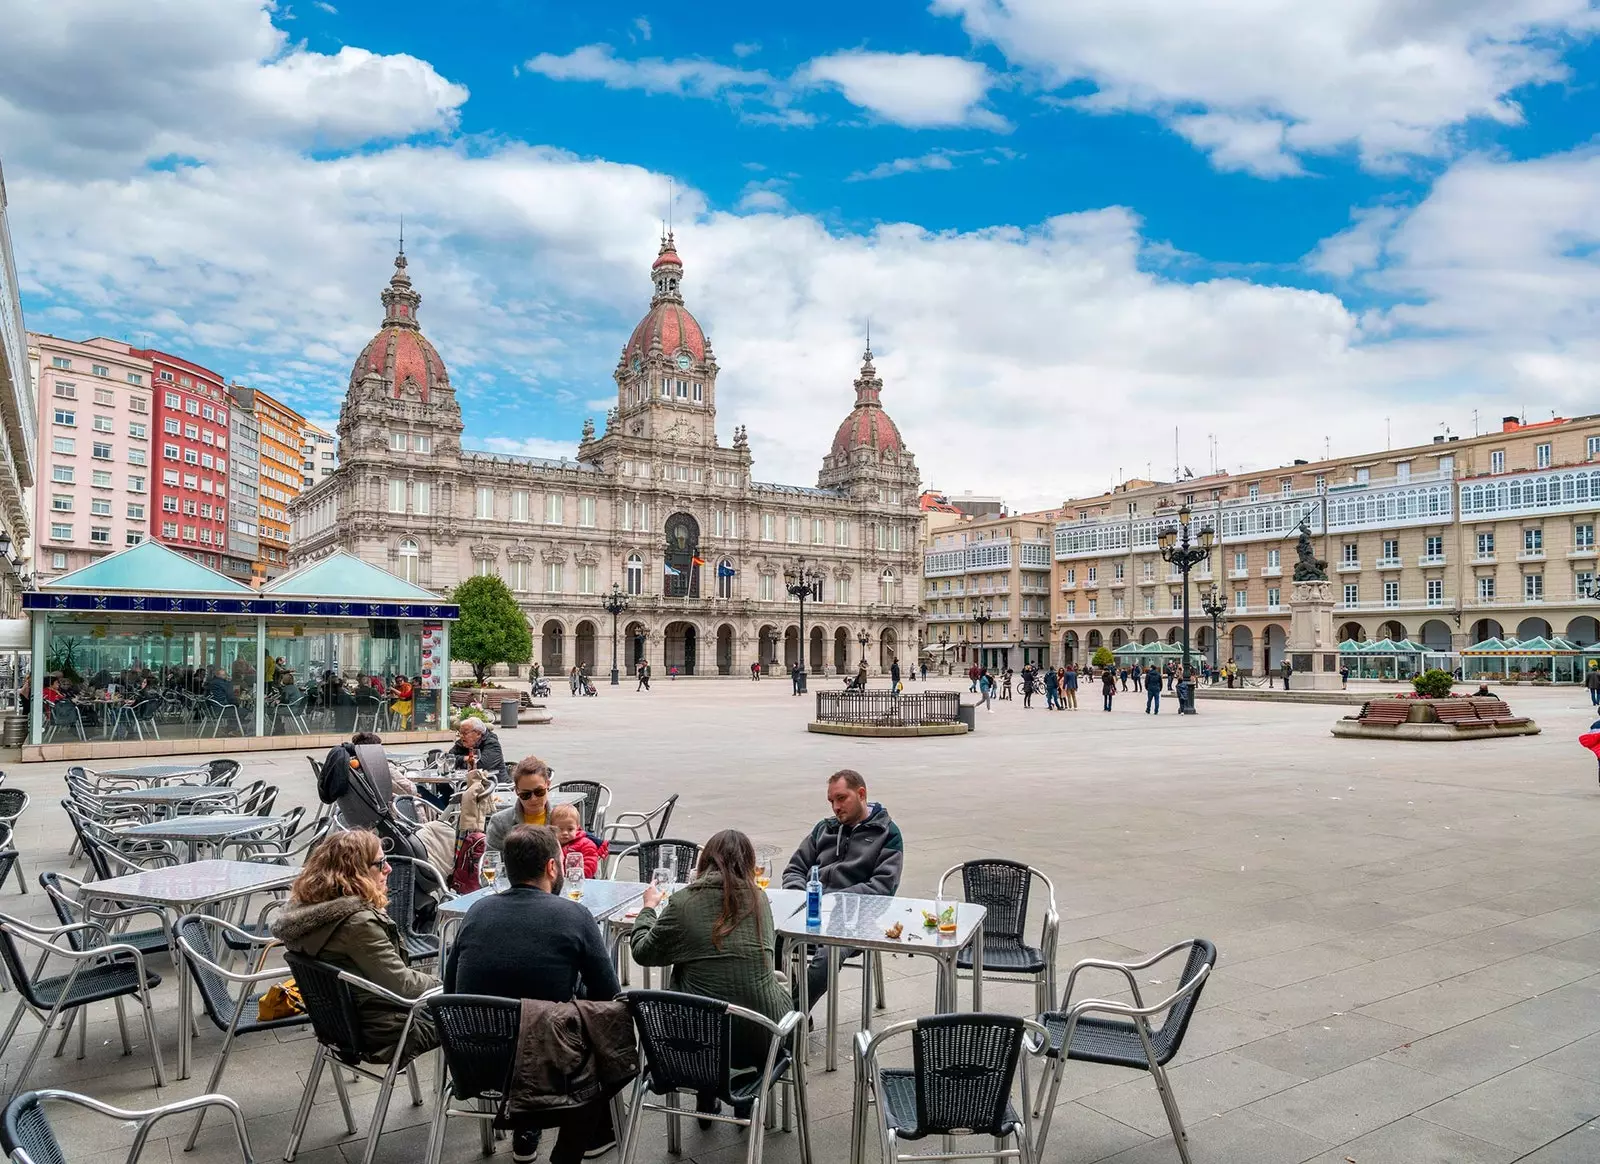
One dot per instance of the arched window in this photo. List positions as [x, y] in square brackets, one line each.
[635, 572]
[410, 561]
[724, 579]
[886, 588]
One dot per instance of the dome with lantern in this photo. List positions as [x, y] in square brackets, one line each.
[400, 354]
[667, 329]
[868, 426]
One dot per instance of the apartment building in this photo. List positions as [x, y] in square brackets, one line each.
[319, 454]
[986, 590]
[190, 488]
[244, 548]
[280, 462]
[1445, 543]
[94, 438]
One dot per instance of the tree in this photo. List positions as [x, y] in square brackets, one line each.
[491, 629]
[1433, 683]
[1103, 657]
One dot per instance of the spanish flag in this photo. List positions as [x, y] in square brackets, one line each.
[697, 561]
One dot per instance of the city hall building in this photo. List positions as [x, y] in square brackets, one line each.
[654, 504]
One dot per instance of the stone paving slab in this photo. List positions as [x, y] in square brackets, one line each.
[1409, 949]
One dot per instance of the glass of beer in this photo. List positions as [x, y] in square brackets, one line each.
[764, 873]
[489, 870]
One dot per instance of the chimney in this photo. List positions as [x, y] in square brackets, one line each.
[1301, 461]
[1509, 424]
[1438, 440]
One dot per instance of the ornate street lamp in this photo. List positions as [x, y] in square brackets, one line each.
[615, 603]
[863, 638]
[1185, 550]
[944, 649]
[982, 614]
[801, 580]
[1213, 605]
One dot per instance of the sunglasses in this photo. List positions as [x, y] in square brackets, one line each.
[531, 793]
[380, 863]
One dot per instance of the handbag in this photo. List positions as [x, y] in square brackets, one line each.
[282, 1000]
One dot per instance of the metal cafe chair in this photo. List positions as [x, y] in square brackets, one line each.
[648, 854]
[65, 894]
[685, 1044]
[27, 1137]
[329, 995]
[1124, 1038]
[1003, 888]
[214, 713]
[642, 826]
[402, 889]
[233, 1016]
[64, 714]
[221, 771]
[478, 1045]
[960, 1082]
[106, 971]
[596, 800]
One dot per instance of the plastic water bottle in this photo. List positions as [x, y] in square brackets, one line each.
[814, 899]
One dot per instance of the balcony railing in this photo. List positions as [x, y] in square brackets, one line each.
[1431, 560]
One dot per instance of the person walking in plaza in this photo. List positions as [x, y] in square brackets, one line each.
[894, 676]
[986, 686]
[1152, 692]
[1344, 676]
[1027, 686]
[1288, 670]
[755, 672]
[1592, 682]
[1068, 677]
[974, 673]
[1052, 689]
[530, 942]
[1108, 686]
[922, 668]
[857, 850]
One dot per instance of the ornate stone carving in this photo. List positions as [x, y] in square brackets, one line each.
[553, 554]
[520, 551]
[482, 550]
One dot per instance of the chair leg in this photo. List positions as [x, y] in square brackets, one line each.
[416, 1087]
[802, 1107]
[436, 1126]
[211, 1087]
[22, 881]
[150, 1033]
[11, 1027]
[380, 1110]
[758, 1128]
[630, 1138]
[674, 1133]
[33, 1052]
[342, 1090]
[122, 1028]
[1055, 1069]
[1180, 1136]
[306, 1096]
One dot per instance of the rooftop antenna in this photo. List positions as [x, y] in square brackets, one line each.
[1474, 422]
[402, 234]
[669, 207]
[1388, 442]
[1327, 449]
[869, 337]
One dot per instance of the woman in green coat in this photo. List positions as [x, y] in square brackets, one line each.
[717, 935]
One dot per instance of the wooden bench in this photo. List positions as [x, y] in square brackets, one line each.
[1458, 713]
[1498, 713]
[1385, 711]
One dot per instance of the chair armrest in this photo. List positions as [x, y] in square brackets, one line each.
[388, 995]
[32, 933]
[259, 975]
[1121, 1008]
[146, 1117]
[1100, 964]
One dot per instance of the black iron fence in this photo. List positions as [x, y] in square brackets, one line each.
[885, 708]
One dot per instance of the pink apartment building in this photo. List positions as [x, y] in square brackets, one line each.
[96, 428]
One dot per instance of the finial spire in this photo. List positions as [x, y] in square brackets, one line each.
[869, 339]
[402, 234]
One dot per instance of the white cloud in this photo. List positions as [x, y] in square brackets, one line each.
[1390, 80]
[919, 90]
[916, 90]
[1031, 361]
[642, 27]
[534, 446]
[746, 48]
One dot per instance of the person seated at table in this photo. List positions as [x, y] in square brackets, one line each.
[531, 781]
[477, 746]
[335, 914]
[718, 936]
[531, 942]
[402, 705]
[568, 823]
[857, 850]
[52, 693]
[221, 688]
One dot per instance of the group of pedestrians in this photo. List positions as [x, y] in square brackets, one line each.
[1059, 684]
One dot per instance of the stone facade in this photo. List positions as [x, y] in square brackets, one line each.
[654, 504]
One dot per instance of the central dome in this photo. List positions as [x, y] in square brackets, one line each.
[868, 426]
[400, 353]
[668, 327]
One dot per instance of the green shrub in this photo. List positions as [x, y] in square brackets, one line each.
[1434, 683]
[1103, 657]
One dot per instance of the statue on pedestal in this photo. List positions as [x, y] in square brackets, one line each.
[1307, 566]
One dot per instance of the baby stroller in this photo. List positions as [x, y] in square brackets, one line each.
[588, 686]
[540, 688]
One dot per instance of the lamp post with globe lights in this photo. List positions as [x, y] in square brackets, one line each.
[1213, 606]
[944, 649]
[863, 638]
[615, 603]
[801, 581]
[1185, 549]
[982, 614]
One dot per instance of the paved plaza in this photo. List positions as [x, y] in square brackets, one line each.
[1409, 943]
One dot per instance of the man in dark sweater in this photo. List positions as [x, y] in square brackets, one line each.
[531, 942]
[857, 850]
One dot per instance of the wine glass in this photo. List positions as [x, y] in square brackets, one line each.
[764, 873]
[662, 879]
[572, 874]
[490, 869]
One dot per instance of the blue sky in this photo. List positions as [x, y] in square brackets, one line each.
[1075, 224]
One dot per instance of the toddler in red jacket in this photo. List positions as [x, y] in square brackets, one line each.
[568, 823]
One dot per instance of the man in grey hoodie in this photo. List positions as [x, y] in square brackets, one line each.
[858, 850]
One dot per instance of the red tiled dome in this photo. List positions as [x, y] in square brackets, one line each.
[672, 324]
[867, 426]
[400, 353]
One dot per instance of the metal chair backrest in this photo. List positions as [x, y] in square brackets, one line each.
[64, 713]
[13, 802]
[24, 1128]
[221, 771]
[201, 959]
[11, 955]
[65, 902]
[478, 1035]
[648, 854]
[1001, 887]
[331, 1003]
[91, 845]
[686, 1041]
[963, 1066]
[1168, 1038]
[591, 791]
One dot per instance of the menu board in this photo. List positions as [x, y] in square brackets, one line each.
[433, 660]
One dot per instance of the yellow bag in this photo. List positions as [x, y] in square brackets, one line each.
[282, 1000]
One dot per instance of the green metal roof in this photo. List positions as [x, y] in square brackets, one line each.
[345, 576]
[150, 567]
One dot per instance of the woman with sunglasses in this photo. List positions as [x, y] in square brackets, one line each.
[335, 913]
[531, 779]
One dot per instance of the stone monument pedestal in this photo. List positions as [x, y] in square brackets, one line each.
[1311, 648]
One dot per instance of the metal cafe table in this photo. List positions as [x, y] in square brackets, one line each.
[185, 889]
[602, 899]
[196, 831]
[152, 773]
[170, 797]
[860, 921]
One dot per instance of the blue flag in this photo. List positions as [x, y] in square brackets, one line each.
[671, 573]
[725, 571]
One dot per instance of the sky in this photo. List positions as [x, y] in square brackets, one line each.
[1092, 239]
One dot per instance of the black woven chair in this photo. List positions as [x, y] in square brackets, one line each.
[106, 971]
[66, 898]
[686, 1043]
[26, 1134]
[648, 855]
[963, 1069]
[196, 937]
[221, 771]
[1004, 889]
[642, 826]
[420, 947]
[596, 799]
[1125, 1038]
[10, 858]
[478, 1042]
[330, 997]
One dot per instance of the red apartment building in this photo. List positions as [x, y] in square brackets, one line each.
[189, 458]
